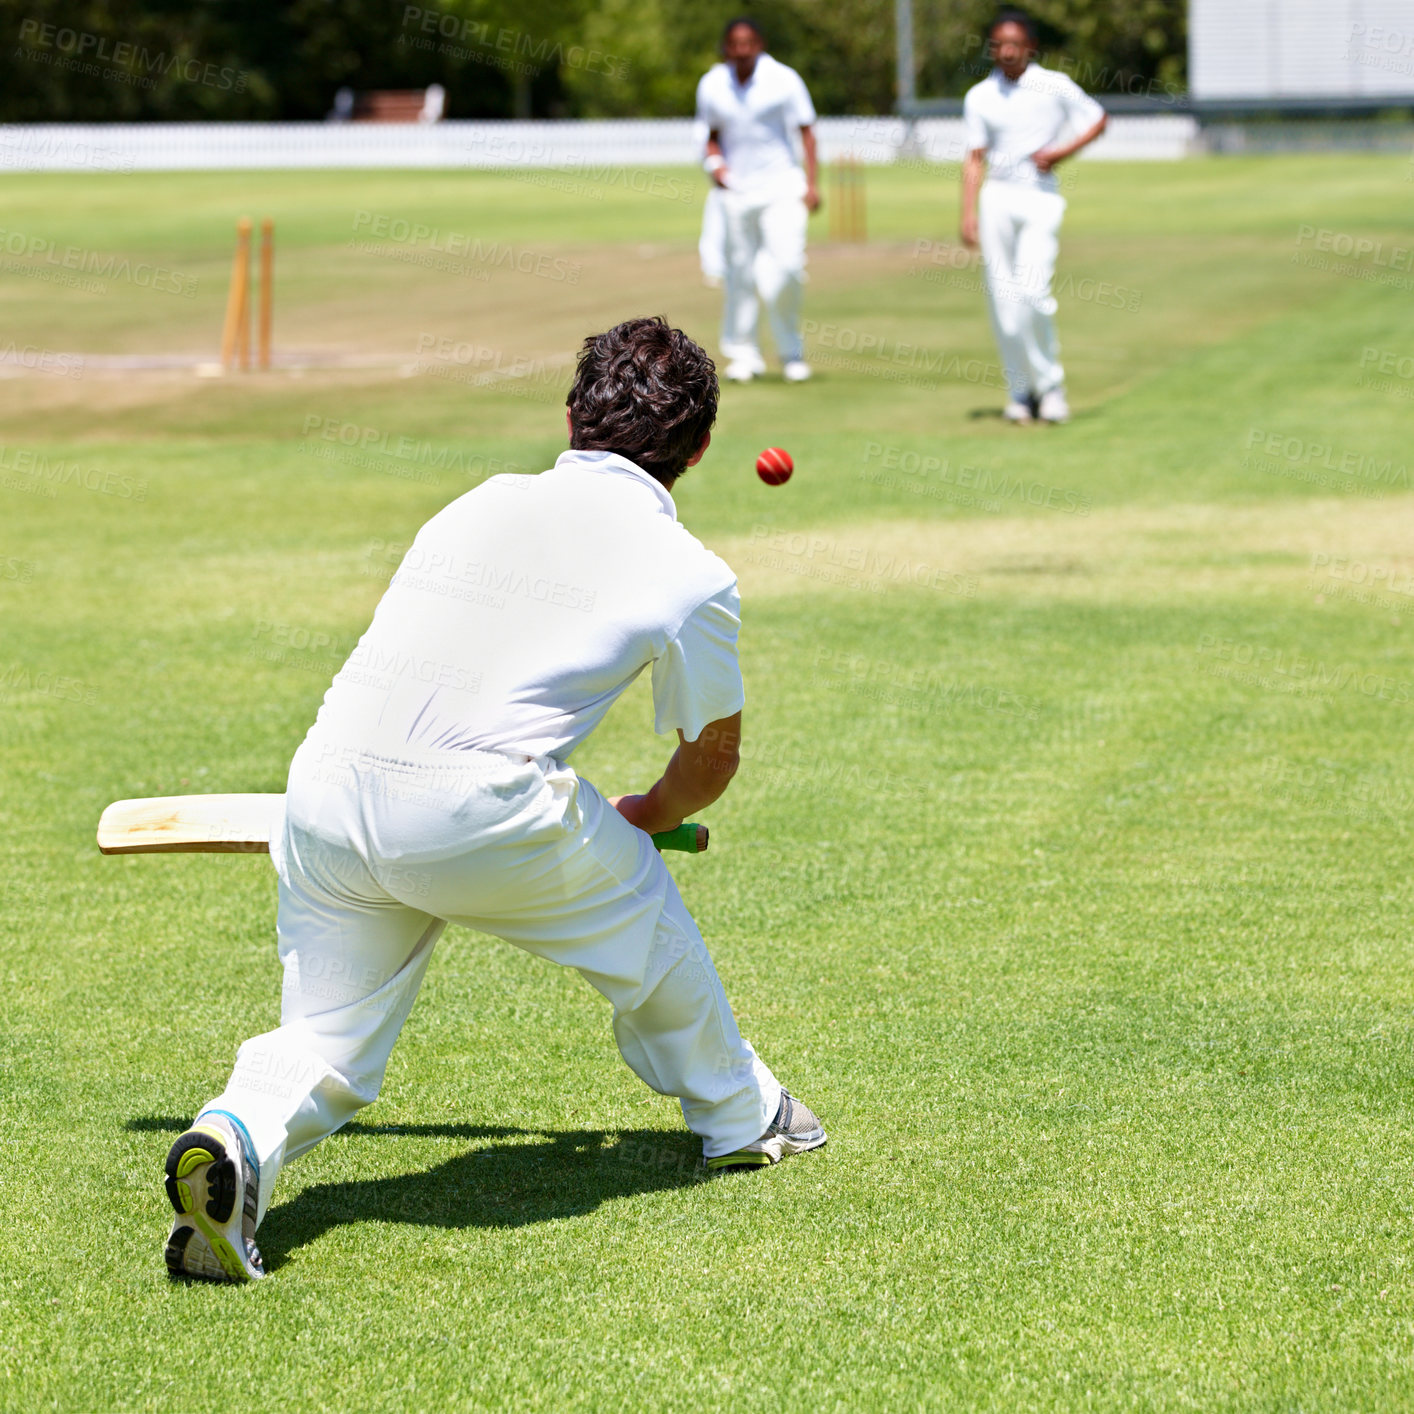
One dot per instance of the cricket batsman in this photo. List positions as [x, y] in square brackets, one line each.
[435, 787]
[752, 107]
[1016, 123]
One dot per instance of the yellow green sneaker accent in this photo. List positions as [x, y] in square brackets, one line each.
[213, 1184]
[794, 1130]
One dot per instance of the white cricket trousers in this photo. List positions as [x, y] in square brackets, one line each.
[376, 855]
[712, 243]
[765, 249]
[1019, 230]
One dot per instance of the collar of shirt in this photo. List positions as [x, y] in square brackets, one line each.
[742, 85]
[612, 464]
[1002, 79]
[762, 70]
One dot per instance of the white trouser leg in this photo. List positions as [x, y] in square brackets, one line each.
[602, 901]
[1038, 244]
[712, 243]
[997, 228]
[1019, 230]
[373, 857]
[740, 308]
[353, 958]
[780, 271]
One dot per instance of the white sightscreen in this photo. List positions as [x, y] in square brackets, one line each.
[1300, 48]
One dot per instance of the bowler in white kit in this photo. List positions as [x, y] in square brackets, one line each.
[435, 787]
[752, 108]
[1020, 121]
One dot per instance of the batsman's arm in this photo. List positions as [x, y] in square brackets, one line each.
[697, 774]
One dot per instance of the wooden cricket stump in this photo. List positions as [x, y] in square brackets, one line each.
[235, 334]
[267, 287]
[847, 200]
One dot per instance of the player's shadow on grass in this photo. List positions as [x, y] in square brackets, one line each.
[511, 1178]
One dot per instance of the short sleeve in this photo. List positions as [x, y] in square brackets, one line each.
[802, 110]
[706, 119]
[1081, 110]
[974, 128]
[697, 680]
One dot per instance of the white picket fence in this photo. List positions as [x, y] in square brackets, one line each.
[582, 145]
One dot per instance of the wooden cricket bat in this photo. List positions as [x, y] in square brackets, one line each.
[190, 824]
[242, 824]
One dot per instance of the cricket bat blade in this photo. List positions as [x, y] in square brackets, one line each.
[190, 824]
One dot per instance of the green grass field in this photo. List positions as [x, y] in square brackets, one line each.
[1067, 877]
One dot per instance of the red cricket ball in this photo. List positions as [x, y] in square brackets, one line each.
[774, 466]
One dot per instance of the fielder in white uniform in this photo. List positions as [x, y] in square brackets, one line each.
[752, 107]
[1016, 121]
[435, 787]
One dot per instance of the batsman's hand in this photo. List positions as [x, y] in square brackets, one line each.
[968, 230]
[635, 809]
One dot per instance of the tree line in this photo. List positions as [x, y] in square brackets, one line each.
[227, 60]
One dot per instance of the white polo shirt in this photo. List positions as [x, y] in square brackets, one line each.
[756, 123]
[524, 609]
[1014, 120]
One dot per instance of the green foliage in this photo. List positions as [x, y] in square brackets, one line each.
[666, 47]
[127, 61]
[1108, 46]
[269, 59]
[844, 51]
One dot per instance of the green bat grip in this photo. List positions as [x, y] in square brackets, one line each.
[687, 837]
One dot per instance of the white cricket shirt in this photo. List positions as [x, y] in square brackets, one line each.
[756, 122]
[524, 609]
[1014, 120]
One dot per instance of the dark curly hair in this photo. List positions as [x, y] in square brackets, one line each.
[742, 20]
[1011, 15]
[645, 391]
